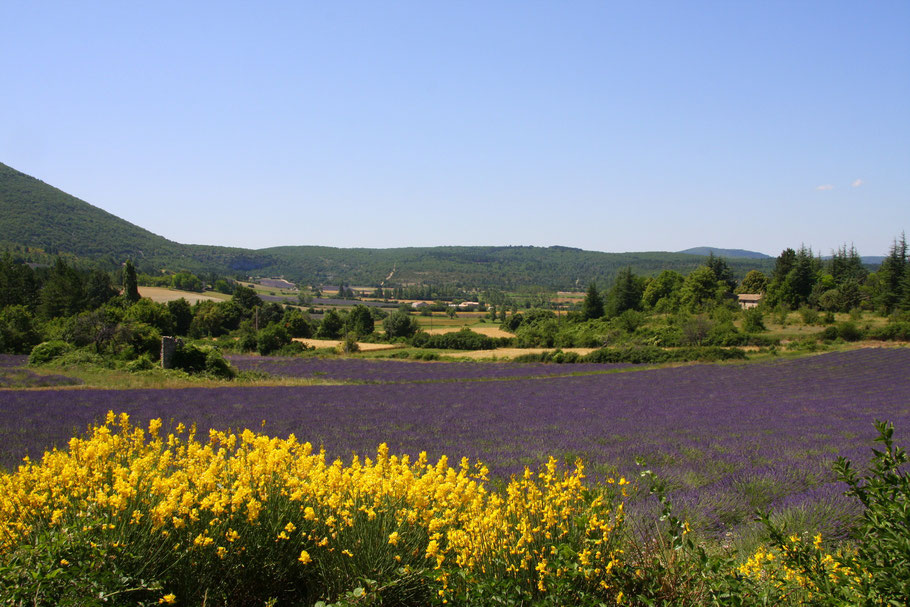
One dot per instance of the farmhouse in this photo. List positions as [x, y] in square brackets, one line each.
[749, 300]
[466, 305]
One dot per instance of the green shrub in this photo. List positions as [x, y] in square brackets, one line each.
[893, 331]
[189, 358]
[809, 315]
[653, 355]
[47, 351]
[247, 341]
[143, 363]
[753, 320]
[349, 344]
[295, 348]
[18, 334]
[272, 338]
[848, 331]
[216, 365]
[884, 491]
[142, 338]
[464, 339]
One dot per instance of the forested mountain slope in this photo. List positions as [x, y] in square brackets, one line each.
[37, 215]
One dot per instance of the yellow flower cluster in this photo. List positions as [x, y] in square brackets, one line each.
[798, 568]
[220, 498]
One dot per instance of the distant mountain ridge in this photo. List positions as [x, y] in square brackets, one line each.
[35, 214]
[734, 253]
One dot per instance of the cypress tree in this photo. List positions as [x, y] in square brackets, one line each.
[130, 282]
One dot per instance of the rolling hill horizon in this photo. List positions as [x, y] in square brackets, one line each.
[40, 216]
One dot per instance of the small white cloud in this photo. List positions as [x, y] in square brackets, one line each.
[857, 183]
[827, 186]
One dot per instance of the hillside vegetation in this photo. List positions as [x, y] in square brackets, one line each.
[49, 221]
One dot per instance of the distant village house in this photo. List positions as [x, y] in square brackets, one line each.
[749, 300]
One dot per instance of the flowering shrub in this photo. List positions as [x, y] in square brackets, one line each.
[127, 516]
[238, 519]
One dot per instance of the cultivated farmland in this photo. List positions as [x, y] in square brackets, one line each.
[728, 438]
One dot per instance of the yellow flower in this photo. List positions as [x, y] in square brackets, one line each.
[432, 549]
[168, 598]
[305, 557]
[393, 538]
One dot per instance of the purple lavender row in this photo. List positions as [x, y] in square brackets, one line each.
[729, 439]
[359, 369]
[13, 360]
[13, 374]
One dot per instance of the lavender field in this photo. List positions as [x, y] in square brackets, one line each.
[14, 375]
[728, 438]
[367, 370]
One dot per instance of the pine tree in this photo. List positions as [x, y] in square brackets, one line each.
[891, 275]
[626, 293]
[593, 305]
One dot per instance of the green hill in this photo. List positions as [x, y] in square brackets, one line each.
[39, 216]
[727, 253]
[560, 268]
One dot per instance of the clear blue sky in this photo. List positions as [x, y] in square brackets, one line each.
[611, 126]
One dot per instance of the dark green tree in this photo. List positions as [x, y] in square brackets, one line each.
[400, 324]
[271, 338]
[331, 326]
[625, 294]
[661, 293]
[18, 333]
[152, 313]
[891, 276]
[297, 323]
[130, 282]
[701, 288]
[186, 282]
[593, 305]
[360, 321]
[182, 313]
[754, 282]
[246, 299]
[794, 288]
[213, 319]
[722, 271]
[846, 264]
[18, 285]
[270, 313]
[62, 293]
[782, 265]
[99, 290]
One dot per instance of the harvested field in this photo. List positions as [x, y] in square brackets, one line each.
[162, 295]
[490, 331]
[334, 343]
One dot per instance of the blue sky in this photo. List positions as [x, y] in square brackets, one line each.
[610, 126]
